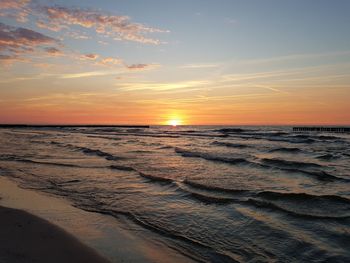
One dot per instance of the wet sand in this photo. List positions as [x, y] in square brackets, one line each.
[82, 230]
[28, 238]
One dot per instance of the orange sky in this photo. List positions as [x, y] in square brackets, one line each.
[77, 62]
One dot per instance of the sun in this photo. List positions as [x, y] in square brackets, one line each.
[174, 122]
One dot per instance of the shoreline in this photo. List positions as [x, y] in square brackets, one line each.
[27, 238]
[100, 234]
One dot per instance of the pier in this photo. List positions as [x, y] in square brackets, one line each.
[322, 129]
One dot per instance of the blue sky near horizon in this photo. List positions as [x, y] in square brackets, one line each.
[209, 62]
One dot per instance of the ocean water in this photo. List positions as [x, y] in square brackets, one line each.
[213, 193]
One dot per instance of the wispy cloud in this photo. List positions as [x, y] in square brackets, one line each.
[53, 51]
[90, 56]
[17, 9]
[110, 61]
[118, 27]
[199, 66]
[86, 74]
[296, 57]
[142, 66]
[16, 41]
[137, 66]
[133, 86]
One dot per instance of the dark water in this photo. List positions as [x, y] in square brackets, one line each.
[216, 194]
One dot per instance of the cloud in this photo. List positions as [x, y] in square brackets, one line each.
[52, 27]
[15, 8]
[76, 35]
[16, 41]
[6, 57]
[137, 66]
[86, 74]
[141, 66]
[296, 57]
[53, 51]
[109, 61]
[8, 60]
[118, 27]
[13, 4]
[90, 56]
[184, 85]
[198, 66]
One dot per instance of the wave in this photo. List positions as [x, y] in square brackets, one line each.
[297, 204]
[195, 134]
[68, 182]
[292, 140]
[268, 134]
[286, 163]
[318, 137]
[140, 151]
[137, 134]
[89, 151]
[201, 253]
[210, 157]
[159, 136]
[213, 188]
[303, 136]
[303, 214]
[211, 199]
[165, 147]
[229, 144]
[288, 167]
[286, 149]
[305, 197]
[328, 137]
[305, 205]
[327, 157]
[122, 168]
[231, 130]
[208, 252]
[24, 160]
[278, 137]
[104, 137]
[320, 175]
[156, 178]
[99, 153]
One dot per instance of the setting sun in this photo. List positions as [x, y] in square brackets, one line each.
[174, 122]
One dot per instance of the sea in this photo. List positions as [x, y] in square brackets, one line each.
[212, 193]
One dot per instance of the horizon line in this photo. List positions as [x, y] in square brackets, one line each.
[148, 125]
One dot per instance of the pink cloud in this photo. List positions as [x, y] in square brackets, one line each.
[13, 4]
[15, 41]
[52, 27]
[15, 8]
[118, 27]
[142, 66]
[53, 51]
[109, 61]
[90, 56]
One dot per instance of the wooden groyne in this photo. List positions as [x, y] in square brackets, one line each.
[70, 126]
[322, 129]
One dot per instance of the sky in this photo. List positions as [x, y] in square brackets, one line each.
[225, 62]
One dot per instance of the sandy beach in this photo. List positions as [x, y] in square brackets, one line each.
[37, 227]
[28, 238]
